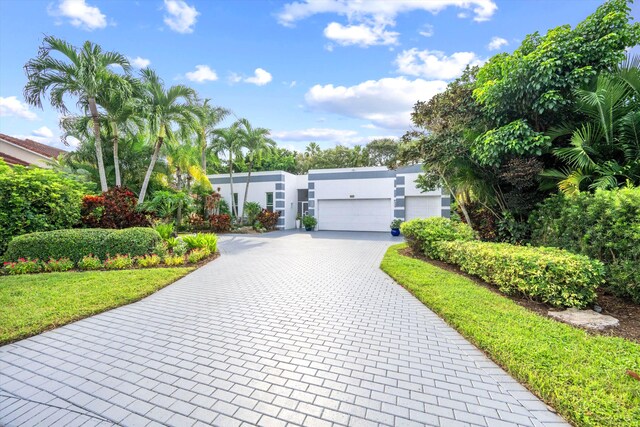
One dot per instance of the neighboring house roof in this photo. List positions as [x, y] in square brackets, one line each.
[36, 147]
[12, 160]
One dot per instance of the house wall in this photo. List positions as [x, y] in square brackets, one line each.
[291, 200]
[23, 154]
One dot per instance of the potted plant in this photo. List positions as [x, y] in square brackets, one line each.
[395, 227]
[309, 222]
[298, 218]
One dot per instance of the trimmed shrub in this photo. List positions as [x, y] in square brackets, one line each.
[147, 261]
[421, 234]
[77, 243]
[604, 225]
[23, 266]
[550, 275]
[173, 260]
[267, 219]
[197, 255]
[207, 241]
[62, 264]
[118, 262]
[220, 223]
[36, 199]
[115, 208]
[90, 262]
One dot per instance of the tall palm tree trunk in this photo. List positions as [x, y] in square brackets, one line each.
[203, 160]
[246, 188]
[179, 210]
[234, 208]
[147, 177]
[96, 133]
[116, 159]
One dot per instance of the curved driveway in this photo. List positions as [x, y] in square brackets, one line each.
[283, 328]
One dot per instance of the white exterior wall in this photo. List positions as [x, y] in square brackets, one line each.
[257, 193]
[410, 188]
[291, 200]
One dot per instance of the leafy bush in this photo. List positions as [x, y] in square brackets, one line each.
[36, 200]
[269, 220]
[197, 255]
[251, 211]
[23, 266]
[172, 260]
[604, 225]
[422, 234]
[207, 241]
[165, 230]
[395, 224]
[77, 243]
[62, 264]
[115, 208]
[196, 222]
[309, 222]
[90, 262]
[164, 204]
[147, 261]
[550, 275]
[118, 262]
[220, 223]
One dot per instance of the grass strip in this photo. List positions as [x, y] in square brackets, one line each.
[582, 376]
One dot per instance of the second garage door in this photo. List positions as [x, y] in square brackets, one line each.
[421, 207]
[354, 214]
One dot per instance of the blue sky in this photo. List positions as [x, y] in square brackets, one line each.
[331, 71]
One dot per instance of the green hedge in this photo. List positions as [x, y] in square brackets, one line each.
[550, 275]
[77, 243]
[604, 225]
[422, 234]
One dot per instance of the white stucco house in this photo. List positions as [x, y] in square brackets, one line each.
[348, 199]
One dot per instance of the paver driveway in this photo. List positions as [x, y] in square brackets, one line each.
[284, 328]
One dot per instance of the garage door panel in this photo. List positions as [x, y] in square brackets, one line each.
[354, 214]
[422, 207]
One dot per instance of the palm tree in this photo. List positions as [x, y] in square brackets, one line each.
[207, 118]
[84, 76]
[604, 151]
[257, 142]
[164, 109]
[181, 161]
[228, 141]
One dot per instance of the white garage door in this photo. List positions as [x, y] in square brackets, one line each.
[354, 214]
[421, 207]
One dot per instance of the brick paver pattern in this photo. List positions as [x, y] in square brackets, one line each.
[282, 329]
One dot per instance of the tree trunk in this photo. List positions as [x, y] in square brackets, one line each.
[147, 177]
[203, 161]
[463, 208]
[116, 159]
[96, 134]
[246, 188]
[234, 210]
[179, 211]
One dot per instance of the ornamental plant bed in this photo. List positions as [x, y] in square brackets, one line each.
[626, 312]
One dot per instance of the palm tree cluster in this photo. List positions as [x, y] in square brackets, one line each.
[153, 134]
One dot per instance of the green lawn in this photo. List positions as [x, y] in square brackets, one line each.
[581, 375]
[33, 303]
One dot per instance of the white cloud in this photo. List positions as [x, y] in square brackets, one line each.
[260, 78]
[427, 30]
[44, 132]
[496, 43]
[180, 16]
[202, 73]
[234, 78]
[11, 106]
[380, 11]
[293, 83]
[139, 62]
[386, 103]
[434, 64]
[360, 35]
[80, 14]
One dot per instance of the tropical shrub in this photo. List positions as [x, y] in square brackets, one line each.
[36, 200]
[197, 255]
[207, 241]
[196, 222]
[604, 225]
[77, 243]
[165, 230]
[23, 266]
[118, 262]
[309, 221]
[90, 262]
[147, 261]
[173, 260]
[220, 223]
[550, 275]
[267, 219]
[251, 211]
[115, 208]
[62, 264]
[422, 234]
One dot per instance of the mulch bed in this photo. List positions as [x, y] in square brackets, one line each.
[626, 312]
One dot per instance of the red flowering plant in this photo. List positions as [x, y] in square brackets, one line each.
[115, 208]
[23, 266]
